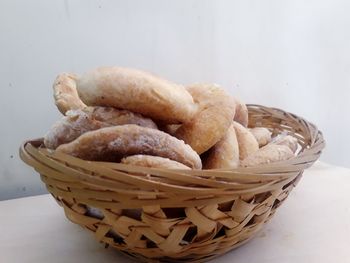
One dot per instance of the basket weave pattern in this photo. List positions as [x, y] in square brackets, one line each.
[158, 215]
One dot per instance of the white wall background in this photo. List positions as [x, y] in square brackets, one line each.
[290, 54]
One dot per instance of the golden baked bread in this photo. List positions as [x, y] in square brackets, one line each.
[153, 161]
[77, 122]
[281, 148]
[113, 114]
[262, 135]
[65, 93]
[137, 91]
[246, 141]
[214, 117]
[114, 143]
[287, 140]
[241, 115]
[268, 154]
[225, 153]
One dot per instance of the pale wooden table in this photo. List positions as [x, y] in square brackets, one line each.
[312, 226]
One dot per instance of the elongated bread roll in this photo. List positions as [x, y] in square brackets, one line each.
[262, 135]
[287, 140]
[268, 154]
[225, 153]
[113, 143]
[209, 125]
[241, 115]
[65, 93]
[137, 91]
[246, 141]
[77, 122]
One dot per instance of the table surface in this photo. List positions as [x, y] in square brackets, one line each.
[313, 225]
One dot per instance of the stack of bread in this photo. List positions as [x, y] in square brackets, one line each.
[115, 114]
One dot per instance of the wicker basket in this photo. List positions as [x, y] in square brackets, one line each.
[160, 215]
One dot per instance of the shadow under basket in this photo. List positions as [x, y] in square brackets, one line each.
[162, 215]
